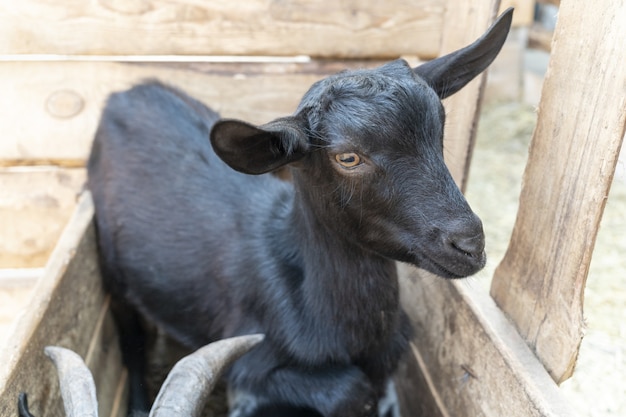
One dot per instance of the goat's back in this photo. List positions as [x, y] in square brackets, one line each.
[169, 211]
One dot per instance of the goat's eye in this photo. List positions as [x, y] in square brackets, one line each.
[348, 160]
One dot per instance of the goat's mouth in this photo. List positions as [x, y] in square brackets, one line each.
[453, 268]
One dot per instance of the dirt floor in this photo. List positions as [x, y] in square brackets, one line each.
[597, 388]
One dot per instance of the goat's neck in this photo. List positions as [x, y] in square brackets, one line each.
[353, 289]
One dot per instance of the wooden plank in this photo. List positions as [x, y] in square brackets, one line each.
[14, 299]
[343, 28]
[417, 397]
[35, 205]
[67, 309]
[475, 360]
[505, 78]
[572, 158]
[104, 358]
[464, 22]
[540, 38]
[524, 11]
[257, 93]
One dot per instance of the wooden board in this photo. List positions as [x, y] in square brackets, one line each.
[35, 205]
[68, 309]
[524, 11]
[417, 396]
[505, 76]
[475, 362]
[464, 23]
[66, 98]
[104, 358]
[540, 38]
[572, 158]
[320, 28]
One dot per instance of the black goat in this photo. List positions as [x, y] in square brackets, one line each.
[208, 253]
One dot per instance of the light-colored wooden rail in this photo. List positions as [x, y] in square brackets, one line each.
[572, 158]
[320, 28]
[66, 98]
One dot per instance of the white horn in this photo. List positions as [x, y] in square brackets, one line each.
[189, 383]
[77, 387]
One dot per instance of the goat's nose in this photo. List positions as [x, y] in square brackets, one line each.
[472, 246]
[467, 237]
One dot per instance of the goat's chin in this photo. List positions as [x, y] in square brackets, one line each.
[449, 269]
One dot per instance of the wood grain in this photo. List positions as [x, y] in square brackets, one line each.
[524, 11]
[257, 94]
[572, 158]
[417, 397]
[540, 38]
[319, 28]
[554, 2]
[476, 361]
[464, 23]
[67, 309]
[35, 205]
[104, 358]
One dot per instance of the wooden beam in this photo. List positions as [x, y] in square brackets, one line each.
[48, 93]
[554, 2]
[572, 158]
[37, 203]
[336, 29]
[474, 359]
[464, 23]
[104, 358]
[67, 309]
[540, 38]
[524, 11]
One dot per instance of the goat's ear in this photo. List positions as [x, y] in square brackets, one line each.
[259, 149]
[449, 73]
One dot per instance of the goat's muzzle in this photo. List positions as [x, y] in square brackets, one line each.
[456, 250]
[464, 247]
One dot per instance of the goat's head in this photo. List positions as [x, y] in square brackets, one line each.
[367, 148]
[184, 392]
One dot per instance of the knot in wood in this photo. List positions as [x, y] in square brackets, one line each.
[64, 104]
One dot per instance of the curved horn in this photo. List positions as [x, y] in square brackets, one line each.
[77, 387]
[189, 383]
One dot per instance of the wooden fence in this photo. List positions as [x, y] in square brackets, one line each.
[474, 354]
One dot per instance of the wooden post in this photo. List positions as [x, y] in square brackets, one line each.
[464, 22]
[574, 150]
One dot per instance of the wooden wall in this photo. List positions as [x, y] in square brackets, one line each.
[319, 28]
[88, 46]
[69, 309]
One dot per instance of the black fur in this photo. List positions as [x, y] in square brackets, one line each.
[207, 253]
